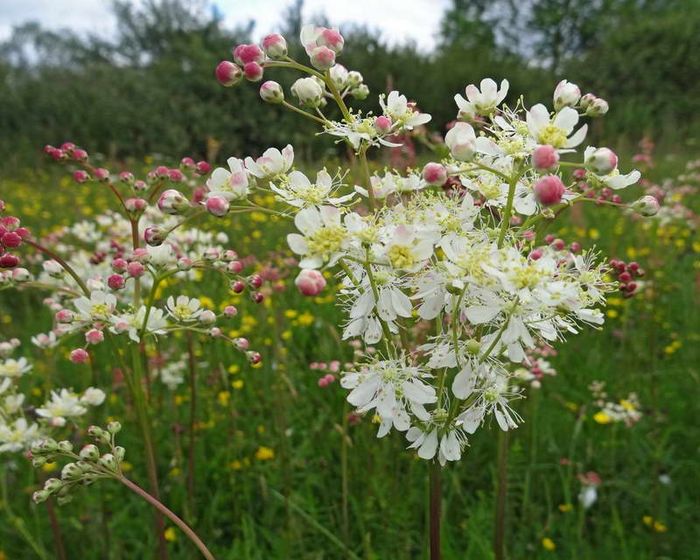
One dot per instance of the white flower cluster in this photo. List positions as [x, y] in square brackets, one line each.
[19, 430]
[455, 251]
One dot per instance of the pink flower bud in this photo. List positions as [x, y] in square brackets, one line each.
[217, 206]
[646, 206]
[322, 58]
[173, 202]
[8, 261]
[126, 177]
[135, 269]
[310, 282]
[245, 54]
[215, 332]
[187, 163]
[64, 316]
[545, 158]
[94, 336]
[238, 286]
[176, 176]
[154, 236]
[230, 311]
[382, 124]
[255, 281]
[242, 343]
[68, 146]
[184, 263]
[235, 267]
[332, 39]
[101, 174]
[207, 317]
[140, 185]
[601, 161]
[11, 239]
[575, 247]
[271, 92]
[116, 282]
[558, 244]
[20, 275]
[80, 176]
[79, 356]
[227, 73]
[253, 72]
[79, 154]
[275, 46]
[202, 167]
[549, 190]
[257, 297]
[536, 254]
[435, 174]
[135, 204]
[254, 357]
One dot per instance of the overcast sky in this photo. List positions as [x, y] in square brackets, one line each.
[399, 20]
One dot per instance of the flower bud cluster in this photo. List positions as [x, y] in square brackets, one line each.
[94, 461]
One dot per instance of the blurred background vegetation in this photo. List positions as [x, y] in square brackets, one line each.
[150, 89]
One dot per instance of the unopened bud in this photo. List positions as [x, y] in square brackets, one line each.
[271, 92]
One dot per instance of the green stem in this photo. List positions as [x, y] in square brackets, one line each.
[500, 525]
[304, 113]
[368, 177]
[145, 424]
[63, 263]
[435, 509]
[164, 510]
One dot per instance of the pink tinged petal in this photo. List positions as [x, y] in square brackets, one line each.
[218, 178]
[429, 446]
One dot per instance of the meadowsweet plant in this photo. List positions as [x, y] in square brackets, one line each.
[122, 289]
[459, 245]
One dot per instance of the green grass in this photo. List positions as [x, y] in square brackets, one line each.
[294, 506]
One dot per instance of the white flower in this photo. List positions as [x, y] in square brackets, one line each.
[162, 255]
[588, 496]
[448, 447]
[99, 307]
[308, 91]
[407, 248]
[493, 398]
[482, 102]
[566, 94]
[14, 368]
[184, 309]
[396, 107]
[64, 404]
[461, 140]
[392, 387]
[556, 132]
[93, 396]
[271, 163]
[298, 190]
[323, 239]
[231, 183]
[17, 436]
[42, 340]
[133, 323]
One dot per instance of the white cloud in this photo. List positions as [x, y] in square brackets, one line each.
[397, 21]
